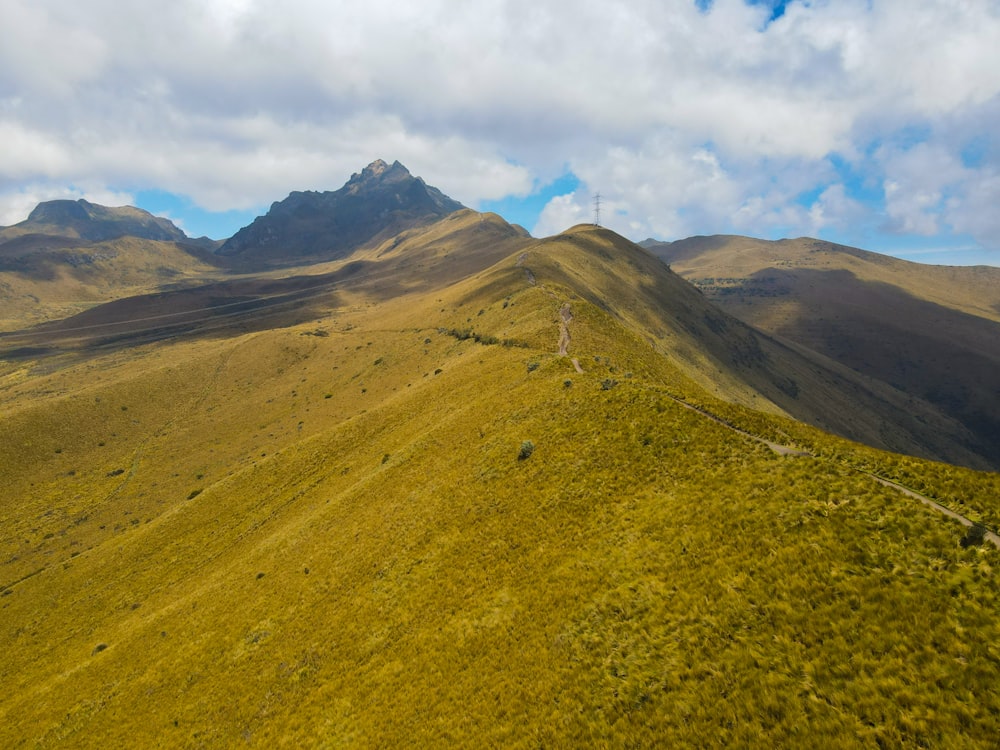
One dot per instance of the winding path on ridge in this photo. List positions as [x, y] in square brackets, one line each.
[566, 317]
[989, 536]
[784, 450]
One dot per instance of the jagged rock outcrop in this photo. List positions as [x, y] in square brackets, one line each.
[382, 200]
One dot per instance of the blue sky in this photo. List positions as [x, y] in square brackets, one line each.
[197, 221]
[525, 210]
[868, 123]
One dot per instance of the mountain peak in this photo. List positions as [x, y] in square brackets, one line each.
[381, 199]
[379, 172]
[58, 211]
[90, 221]
[377, 168]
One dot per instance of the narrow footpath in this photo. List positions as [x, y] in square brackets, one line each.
[785, 450]
[566, 317]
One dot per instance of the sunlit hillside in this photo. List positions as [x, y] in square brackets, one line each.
[480, 490]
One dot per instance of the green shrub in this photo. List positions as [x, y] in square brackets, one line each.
[974, 536]
[527, 448]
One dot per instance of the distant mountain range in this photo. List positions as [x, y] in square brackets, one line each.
[68, 256]
[83, 220]
[931, 332]
[819, 310]
[901, 326]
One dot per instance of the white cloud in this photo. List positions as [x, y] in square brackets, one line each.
[974, 209]
[669, 187]
[835, 209]
[28, 152]
[45, 53]
[687, 121]
[929, 190]
[561, 213]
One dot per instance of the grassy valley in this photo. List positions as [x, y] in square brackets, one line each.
[320, 525]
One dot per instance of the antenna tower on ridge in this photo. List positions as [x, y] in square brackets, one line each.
[597, 209]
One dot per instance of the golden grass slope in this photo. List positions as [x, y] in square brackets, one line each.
[322, 536]
[731, 261]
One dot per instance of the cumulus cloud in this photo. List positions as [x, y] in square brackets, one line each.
[974, 209]
[835, 208]
[929, 190]
[46, 52]
[689, 117]
[561, 213]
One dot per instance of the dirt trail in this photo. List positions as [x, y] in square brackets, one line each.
[785, 450]
[781, 450]
[565, 318]
[989, 536]
[527, 271]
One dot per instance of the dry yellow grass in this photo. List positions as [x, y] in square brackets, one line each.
[322, 535]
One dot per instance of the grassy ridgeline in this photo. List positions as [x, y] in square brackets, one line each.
[330, 540]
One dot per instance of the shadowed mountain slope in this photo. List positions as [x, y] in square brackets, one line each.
[421, 259]
[70, 255]
[409, 521]
[378, 203]
[722, 354]
[929, 332]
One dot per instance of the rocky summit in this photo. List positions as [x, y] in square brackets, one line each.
[380, 201]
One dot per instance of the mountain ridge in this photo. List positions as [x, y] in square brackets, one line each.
[746, 362]
[69, 255]
[92, 222]
[739, 363]
[928, 331]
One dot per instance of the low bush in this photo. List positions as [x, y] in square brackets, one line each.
[527, 448]
[974, 536]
